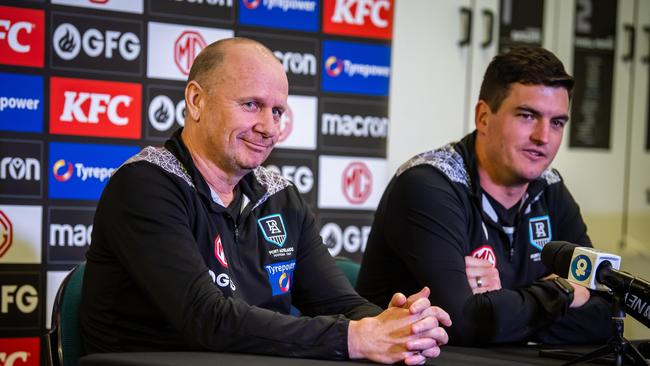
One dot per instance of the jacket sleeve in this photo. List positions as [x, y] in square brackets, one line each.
[147, 221]
[429, 224]
[321, 287]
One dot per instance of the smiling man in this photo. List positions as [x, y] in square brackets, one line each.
[197, 247]
[470, 219]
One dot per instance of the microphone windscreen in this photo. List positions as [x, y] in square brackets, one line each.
[557, 255]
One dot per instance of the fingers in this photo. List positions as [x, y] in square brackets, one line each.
[419, 301]
[475, 262]
[398, 300]
[415, 359]
[441, 316]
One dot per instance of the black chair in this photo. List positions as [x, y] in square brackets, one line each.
[64, 339]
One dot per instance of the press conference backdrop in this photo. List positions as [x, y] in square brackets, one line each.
[85, 84]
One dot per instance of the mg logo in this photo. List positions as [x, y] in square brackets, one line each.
[163, 113]
[6, 233]
[485, 252]
[188, 45]
[20, 169]
[356, 182]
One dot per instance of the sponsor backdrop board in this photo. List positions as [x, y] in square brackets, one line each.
[85, 84]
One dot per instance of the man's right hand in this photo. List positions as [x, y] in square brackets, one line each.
[409, 331]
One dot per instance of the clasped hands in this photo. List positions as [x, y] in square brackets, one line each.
[409, 330]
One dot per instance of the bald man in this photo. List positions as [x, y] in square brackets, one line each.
[197, 247]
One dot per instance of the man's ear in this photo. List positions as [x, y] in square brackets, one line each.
[482, 114]
[194, 99]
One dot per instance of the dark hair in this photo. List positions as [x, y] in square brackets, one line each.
[525, 65]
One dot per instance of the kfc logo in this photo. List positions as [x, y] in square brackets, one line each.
[356, 182]
[6, 234]
[485, 252]
[187, 46]
[95, 108]
[20, 352]
[22, 33]
[219, 253]
[362, 18]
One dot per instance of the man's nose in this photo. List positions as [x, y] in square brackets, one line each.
[541, 131]
[267, 125]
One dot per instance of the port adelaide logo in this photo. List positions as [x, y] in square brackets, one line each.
[105, 45]
[272, 227]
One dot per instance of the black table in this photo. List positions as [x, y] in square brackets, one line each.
[501, 356]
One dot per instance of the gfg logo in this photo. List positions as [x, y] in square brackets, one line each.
[301, 176]
[23, 297]
[20, 169]
[68, 42]
[353, 238]
[187, 46]
[163, 113]
[356, 182]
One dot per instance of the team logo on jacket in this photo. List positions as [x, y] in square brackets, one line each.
[539, 231]
[219, 253]
[272, 227]
[485, 252]
[280, 276]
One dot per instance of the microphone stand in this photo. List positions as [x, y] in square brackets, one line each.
[622, 350]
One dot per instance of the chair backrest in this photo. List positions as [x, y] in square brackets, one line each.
[349, 267]
[64, 340]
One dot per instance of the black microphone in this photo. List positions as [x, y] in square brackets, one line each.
[596, 270]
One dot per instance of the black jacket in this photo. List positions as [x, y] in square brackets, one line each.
[434, 213]
[170, 269]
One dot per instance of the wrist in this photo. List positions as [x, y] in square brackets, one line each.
[353, 341]
[565, 287]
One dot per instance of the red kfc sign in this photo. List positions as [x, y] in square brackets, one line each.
[22, 36]
[95, 108]
[359, 18]
[20, 351]
[357, 182]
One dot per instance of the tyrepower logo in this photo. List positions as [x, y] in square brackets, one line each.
[284, 14]
[127, 6]
[299, 169]
[355, 68]
[298, 55]
[359, 18]
[165, 111]
[172, 48]
[20, 351]
[298, 124]
[19, 301]
[21, 103]
[358, 126]
[22, 36]
[20, 168]
[350, 183]
[69, 232]
[212, 10]
[95, 108]
[80, 171]
[345, 234]
[20, 238]
[100, 44]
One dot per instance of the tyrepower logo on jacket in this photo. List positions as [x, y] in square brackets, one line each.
[84, 107]
[172, 48]
[284, 14]
[80, 171]
[19, 300]
[20, 351]
[21, 103]
[280, 276]
[100, 44]
[20, 234]
[22, 36]
[355, 68]
[359, 18]
[350, 182]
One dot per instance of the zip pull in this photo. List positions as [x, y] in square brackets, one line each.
[512, 253]
[236, 234]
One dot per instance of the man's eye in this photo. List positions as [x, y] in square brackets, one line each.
[277, 113]
[558, 123]
[250, 106]
[526, 116]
